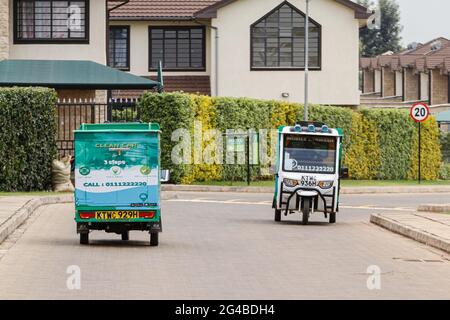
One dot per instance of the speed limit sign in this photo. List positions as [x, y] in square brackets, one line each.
[419, 112]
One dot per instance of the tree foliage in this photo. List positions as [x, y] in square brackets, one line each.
[376, 41]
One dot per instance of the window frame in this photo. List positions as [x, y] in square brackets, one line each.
[202, 69]
[85, 40]
[127, 68]
[319, 26]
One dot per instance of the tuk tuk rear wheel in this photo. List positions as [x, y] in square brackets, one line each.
[305, 211]
[333, 217]
[154, 239]
[277, 215]
[126, 236]
[84, 238]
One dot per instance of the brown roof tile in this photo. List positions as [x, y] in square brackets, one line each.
[185, 9]
[160, 9]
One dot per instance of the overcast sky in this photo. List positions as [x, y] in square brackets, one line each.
[424, 20]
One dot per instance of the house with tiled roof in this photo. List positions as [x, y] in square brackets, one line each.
[241, 47]
[419, 73]
[237, 48]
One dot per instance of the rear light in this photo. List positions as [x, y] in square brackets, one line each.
[147, 214]
[87, 215]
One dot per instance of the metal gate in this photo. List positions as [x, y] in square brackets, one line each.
[71, 114]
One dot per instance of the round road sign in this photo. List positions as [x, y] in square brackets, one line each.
[419, 112]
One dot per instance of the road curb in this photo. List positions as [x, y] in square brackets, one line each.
[410, 232]
[21, 215]
[436, 208]
[344, 190]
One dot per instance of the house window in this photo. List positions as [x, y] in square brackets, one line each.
[278, 40]
[179, 48]
[51, 21]
[119, 47]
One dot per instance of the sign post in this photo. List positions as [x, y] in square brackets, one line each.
[420, 112]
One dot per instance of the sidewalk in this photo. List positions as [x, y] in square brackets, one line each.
[15, 210]
[432, 229]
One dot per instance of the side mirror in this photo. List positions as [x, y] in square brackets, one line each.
[165, 176]
[344, 173]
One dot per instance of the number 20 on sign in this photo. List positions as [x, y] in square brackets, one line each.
[420, 112]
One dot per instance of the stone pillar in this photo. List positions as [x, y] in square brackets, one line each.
[388, 82]
[439, 88]
[4, 29]
[369, 81]
[412, 91]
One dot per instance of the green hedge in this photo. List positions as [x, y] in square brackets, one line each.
[28, 138]
[172, 111]
[395, 136]
[378, 144]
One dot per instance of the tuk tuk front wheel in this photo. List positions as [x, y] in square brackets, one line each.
[277, 215]
[154, 239]
[84, 238]
[305, 210]
[126, 236]
[333, 217]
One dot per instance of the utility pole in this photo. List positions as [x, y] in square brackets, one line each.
[306, 59]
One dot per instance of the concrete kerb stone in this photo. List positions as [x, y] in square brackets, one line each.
[410, 232]
[436, 208]
[344, 190]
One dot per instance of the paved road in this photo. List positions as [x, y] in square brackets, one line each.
[226, 246]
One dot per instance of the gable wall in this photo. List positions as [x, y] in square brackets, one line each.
[337, 82]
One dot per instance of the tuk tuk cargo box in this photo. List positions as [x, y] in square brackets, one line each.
[117, 179]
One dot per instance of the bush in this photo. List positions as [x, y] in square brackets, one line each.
[445, 146]
[444, 172]
[430, 154]
[363, 156]
[28, 138]
[378, 144]
[172, 111]
[395, 135]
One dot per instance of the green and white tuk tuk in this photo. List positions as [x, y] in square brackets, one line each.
[308, 171]
[117, 179]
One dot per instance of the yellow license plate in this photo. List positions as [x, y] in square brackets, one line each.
[116, 215]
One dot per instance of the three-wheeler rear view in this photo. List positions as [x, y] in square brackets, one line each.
[308, 171]
[117, 179]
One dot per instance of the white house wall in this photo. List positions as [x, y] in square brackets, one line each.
[398, 83]
[336, 83]
[424, 86]
[94, 51]
[377, 81]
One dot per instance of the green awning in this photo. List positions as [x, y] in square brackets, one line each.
[443, 117]
[68, 74]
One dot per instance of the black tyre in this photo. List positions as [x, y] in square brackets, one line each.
[277, 215]
[126, 236]
[84, 238]
[154, 239]
[305, 211]
[333, 217]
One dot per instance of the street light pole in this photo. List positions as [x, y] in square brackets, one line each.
[306, 59]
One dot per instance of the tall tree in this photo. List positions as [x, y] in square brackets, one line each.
[384, 35]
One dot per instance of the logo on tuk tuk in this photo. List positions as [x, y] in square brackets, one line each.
[116, 170]
[84, 171]
[145, 170]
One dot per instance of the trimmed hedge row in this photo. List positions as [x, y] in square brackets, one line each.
[378, 144]
[27, 138]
